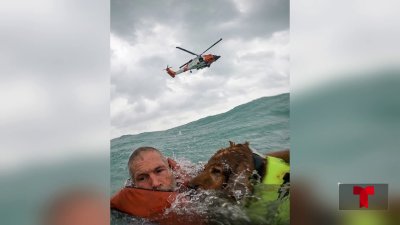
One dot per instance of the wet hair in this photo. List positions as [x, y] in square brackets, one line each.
[136, 153]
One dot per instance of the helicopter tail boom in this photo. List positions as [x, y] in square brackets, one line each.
[174, 73]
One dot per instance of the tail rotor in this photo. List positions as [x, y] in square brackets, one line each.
[170, 72]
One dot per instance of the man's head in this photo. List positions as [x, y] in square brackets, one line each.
[149, 169]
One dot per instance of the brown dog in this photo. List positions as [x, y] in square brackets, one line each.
[231, 170]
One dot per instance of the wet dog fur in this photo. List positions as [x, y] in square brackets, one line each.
[231, 170]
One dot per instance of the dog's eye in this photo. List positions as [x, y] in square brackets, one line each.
[216, 170]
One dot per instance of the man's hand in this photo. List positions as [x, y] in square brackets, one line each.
[180, 175]
[173, 164]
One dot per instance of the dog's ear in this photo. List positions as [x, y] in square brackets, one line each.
[231, 143]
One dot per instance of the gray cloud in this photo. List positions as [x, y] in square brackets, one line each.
[129, 16]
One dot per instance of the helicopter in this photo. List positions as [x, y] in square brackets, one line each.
[201, 61]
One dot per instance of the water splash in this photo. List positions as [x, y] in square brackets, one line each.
[213, 206]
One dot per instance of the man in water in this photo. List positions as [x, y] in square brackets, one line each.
[149, 169]
[154, 184]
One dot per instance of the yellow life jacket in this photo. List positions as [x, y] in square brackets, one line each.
[272, 202]
[276, 170]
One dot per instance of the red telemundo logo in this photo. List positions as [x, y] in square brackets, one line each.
[363, 193]
[363, 196]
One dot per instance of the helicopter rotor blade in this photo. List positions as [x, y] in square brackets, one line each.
[211, 46]
[187, 51]
[185, 63]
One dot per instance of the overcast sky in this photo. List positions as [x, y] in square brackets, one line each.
[254, 59]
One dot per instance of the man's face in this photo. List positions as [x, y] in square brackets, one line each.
[152, 172]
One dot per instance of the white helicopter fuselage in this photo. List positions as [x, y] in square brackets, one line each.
[197, 63]
[201, 61]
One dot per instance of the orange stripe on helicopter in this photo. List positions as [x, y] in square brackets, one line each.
[171, 72]
[208, 58]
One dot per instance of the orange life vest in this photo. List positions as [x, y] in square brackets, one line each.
[150, 205]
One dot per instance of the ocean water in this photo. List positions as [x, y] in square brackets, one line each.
[263, 122]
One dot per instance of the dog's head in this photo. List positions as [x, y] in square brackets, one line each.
[229, 170]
